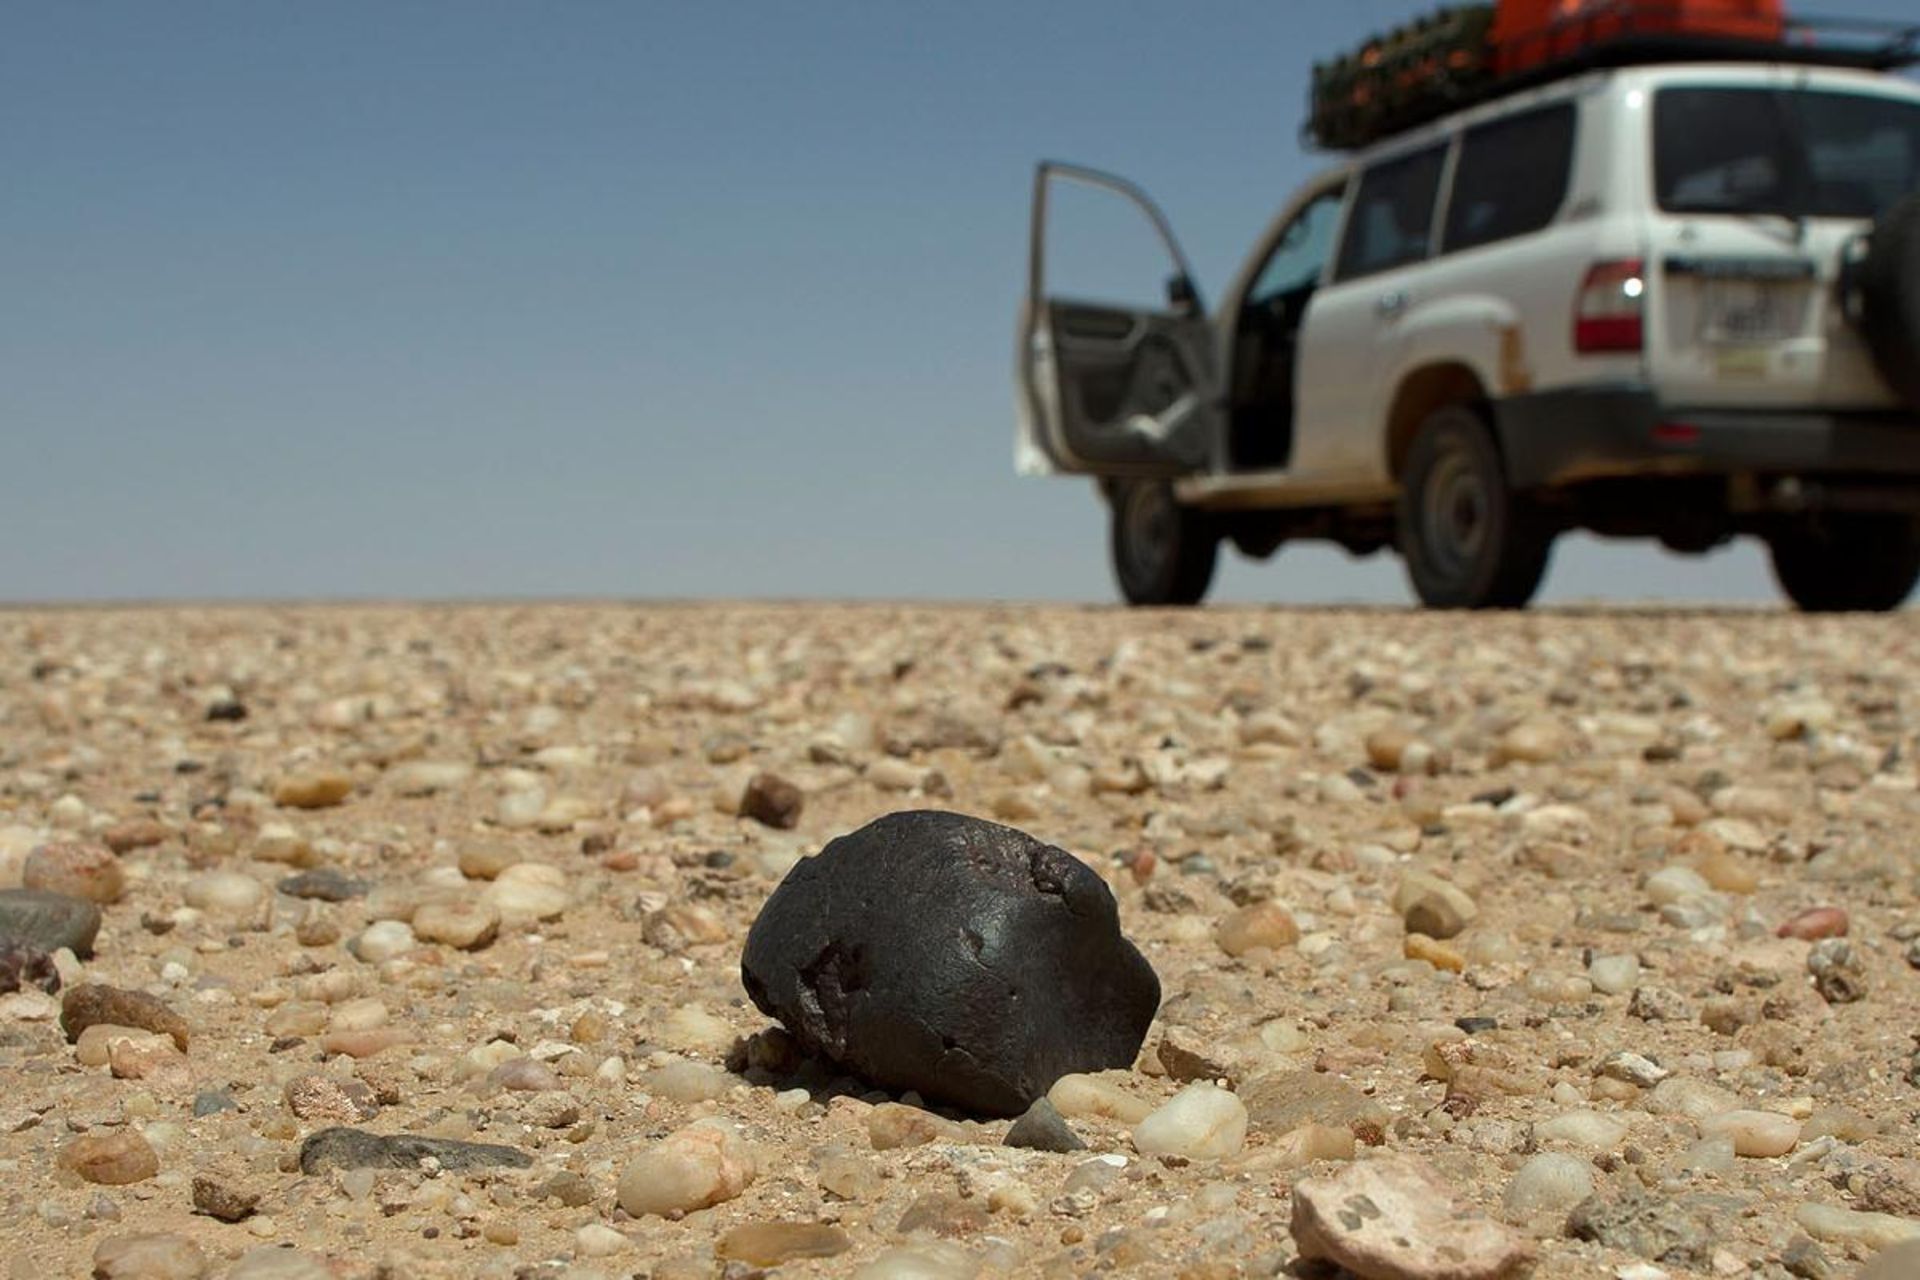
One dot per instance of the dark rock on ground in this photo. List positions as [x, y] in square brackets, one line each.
[1043, 1128]
[1657, 1228]
[952, 956]
[358, 1149]
[324, 885]
[92, 1003]
[27, 967]
[213, 1102]
[773, 801]
[43, 921]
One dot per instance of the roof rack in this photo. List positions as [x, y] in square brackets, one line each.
[1417, 74]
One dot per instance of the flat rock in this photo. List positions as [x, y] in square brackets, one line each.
[357, 1149]
[276, 1262]
[77, 869]
[43, 921]
[1394, 1218]
[768, 1244]
[466, 926]
[148, 1255]
[1281, 1101]
[92, 1003]
[1655, 1227]
[961, 959]
[426, 777]
[316, 790]
[114, 1159]
[1871, 1231]
[323, 884]
[135, 833]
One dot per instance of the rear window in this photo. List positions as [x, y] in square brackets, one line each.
[1797, 153]
[1392, 220]
[1511, 178]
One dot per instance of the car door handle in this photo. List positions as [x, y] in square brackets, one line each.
[1392, 304]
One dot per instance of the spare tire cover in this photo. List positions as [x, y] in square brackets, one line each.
[1889, 284]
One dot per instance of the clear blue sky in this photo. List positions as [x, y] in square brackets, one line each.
[407, 299]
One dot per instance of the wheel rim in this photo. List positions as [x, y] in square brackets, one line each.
[1456, 514]
[1149, 526]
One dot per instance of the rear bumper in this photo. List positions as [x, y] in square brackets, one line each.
[1562, 437]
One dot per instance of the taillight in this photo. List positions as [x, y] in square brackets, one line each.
[1610, 313]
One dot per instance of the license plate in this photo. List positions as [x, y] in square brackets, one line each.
[1742, 362]
[1745, 311]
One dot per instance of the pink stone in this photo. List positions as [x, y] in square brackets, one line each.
[1817, 923]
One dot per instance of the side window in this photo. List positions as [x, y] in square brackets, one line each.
[1512, 177]
[1301, 255]
[1392, 220]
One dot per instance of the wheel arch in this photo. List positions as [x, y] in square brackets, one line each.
[1420, 393]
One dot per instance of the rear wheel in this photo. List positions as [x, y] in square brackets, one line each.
[1865, 563]
[1163, 553]
[1469, 541]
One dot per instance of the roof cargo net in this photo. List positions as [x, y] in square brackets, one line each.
[1465, 54]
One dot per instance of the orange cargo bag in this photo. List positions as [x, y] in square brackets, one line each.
[1531, 33]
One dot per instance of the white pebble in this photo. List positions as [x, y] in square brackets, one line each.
[1762, 1134]
[1694, 1099]
[933, 1260]
[1551, 1182]
[1201, 1122]
[1872, 1231]
[528, 891]
[1614, 975]
[597, 1241]
[698, 1166]
[1588, 1130]
[1676, 884]
[383, 941]
[1081, 1097]
[227, 892]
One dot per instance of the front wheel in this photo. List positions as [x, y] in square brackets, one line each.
[1163, 553]
[1470, 542]
[1853, 562]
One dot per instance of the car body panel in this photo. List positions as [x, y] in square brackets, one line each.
[1504, 311]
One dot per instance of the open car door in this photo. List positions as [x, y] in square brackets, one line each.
[1106, 389]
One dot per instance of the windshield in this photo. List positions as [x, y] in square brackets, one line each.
[1798, 153]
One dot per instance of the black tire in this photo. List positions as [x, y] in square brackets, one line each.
[1848, 563]
[1888, 281]
[1163, 553]
[1470, 542]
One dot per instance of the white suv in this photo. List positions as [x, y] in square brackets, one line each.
[1677, 299]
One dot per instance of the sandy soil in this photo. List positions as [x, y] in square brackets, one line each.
[1666, 786]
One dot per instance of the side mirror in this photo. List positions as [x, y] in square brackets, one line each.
[1182, 297]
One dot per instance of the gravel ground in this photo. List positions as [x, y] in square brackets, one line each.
[1505, 895]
